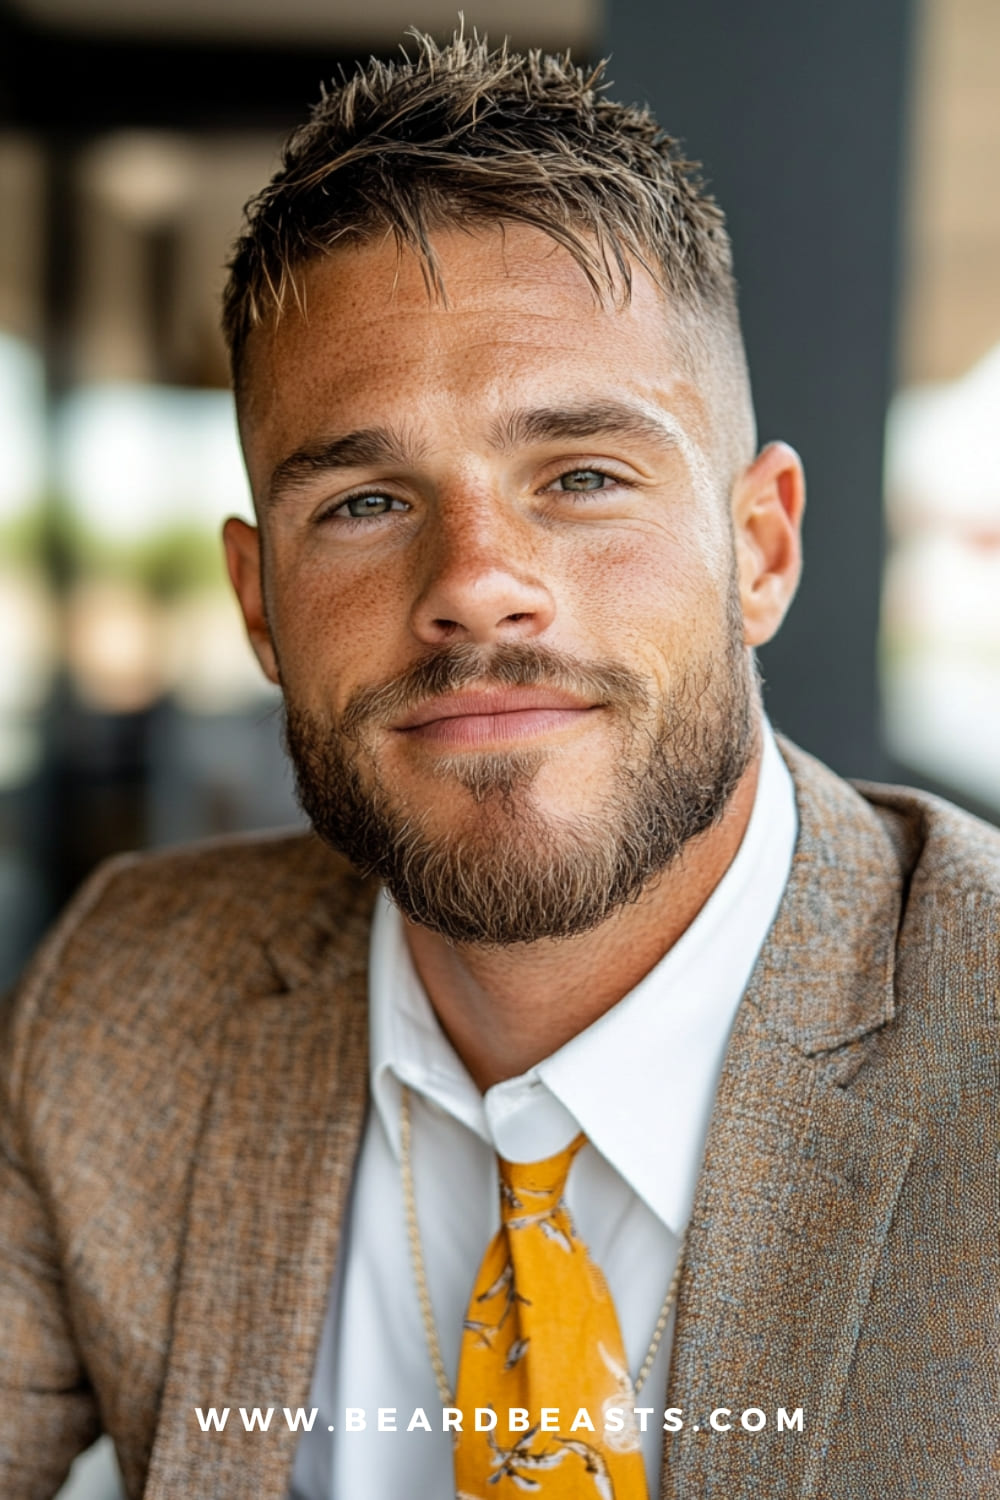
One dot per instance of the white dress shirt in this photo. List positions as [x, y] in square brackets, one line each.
[639, 1082]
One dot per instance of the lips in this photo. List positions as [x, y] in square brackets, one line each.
[503, 713]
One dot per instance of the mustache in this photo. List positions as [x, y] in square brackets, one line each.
[510, 664]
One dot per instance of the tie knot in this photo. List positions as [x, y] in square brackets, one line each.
[535, 1187]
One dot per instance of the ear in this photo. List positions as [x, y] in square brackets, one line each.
[243, 559]
[768, 501]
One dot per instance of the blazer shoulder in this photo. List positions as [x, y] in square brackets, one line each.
[912, 837]
[156, 946]
[234, 880]
[947, 972]
[944, 850]
[897, 905]
[202, 904]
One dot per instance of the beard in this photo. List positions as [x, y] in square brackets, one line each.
[512, 874]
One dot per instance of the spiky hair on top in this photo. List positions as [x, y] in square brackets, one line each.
[462, 135]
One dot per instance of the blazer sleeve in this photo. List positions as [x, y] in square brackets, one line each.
[48, 1411]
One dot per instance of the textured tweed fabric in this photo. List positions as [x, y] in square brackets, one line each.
[183, 1085]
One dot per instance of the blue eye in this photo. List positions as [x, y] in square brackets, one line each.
[359, 506]
[583, 479]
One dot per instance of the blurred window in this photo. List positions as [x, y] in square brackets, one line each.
[26, 617]
[941, 603]
[147, 475]
[132, 710]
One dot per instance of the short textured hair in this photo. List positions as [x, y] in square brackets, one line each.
[462, 136]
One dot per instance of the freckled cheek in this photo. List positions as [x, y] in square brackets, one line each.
[637, 598]
[662, 617]
[334, 632]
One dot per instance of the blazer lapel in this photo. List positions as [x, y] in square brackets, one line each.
[270, 1189]
[800, 1174]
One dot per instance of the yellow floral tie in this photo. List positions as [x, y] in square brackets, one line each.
[542, 1332]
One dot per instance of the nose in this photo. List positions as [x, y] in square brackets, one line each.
[481, 582]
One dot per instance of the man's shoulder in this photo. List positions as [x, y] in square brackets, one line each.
[208, 901]
[936, 847]
[912, 884]
[155, 946]
[957, 854]
[948, 943]
[231, 879]
[895, 897]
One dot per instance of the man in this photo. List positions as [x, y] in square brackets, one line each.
[715, 1024]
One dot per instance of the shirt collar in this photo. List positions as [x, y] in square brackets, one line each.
[640, 1081]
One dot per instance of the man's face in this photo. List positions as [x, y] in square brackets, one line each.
[499, 585]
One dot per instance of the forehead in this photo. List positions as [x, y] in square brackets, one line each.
[365, 342]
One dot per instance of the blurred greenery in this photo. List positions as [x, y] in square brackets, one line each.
[51, 538]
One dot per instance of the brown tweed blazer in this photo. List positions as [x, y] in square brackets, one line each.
[184, 1086]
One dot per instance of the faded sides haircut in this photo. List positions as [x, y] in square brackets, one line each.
[463, 136]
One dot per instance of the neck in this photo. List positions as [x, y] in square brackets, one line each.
[504, 1009]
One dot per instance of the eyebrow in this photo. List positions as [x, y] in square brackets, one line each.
[374, 446]
[365, 448]
[590, 419]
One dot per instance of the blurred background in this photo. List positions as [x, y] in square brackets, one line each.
[854, 148]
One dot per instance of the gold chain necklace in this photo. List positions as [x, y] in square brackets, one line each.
[423, 1291]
